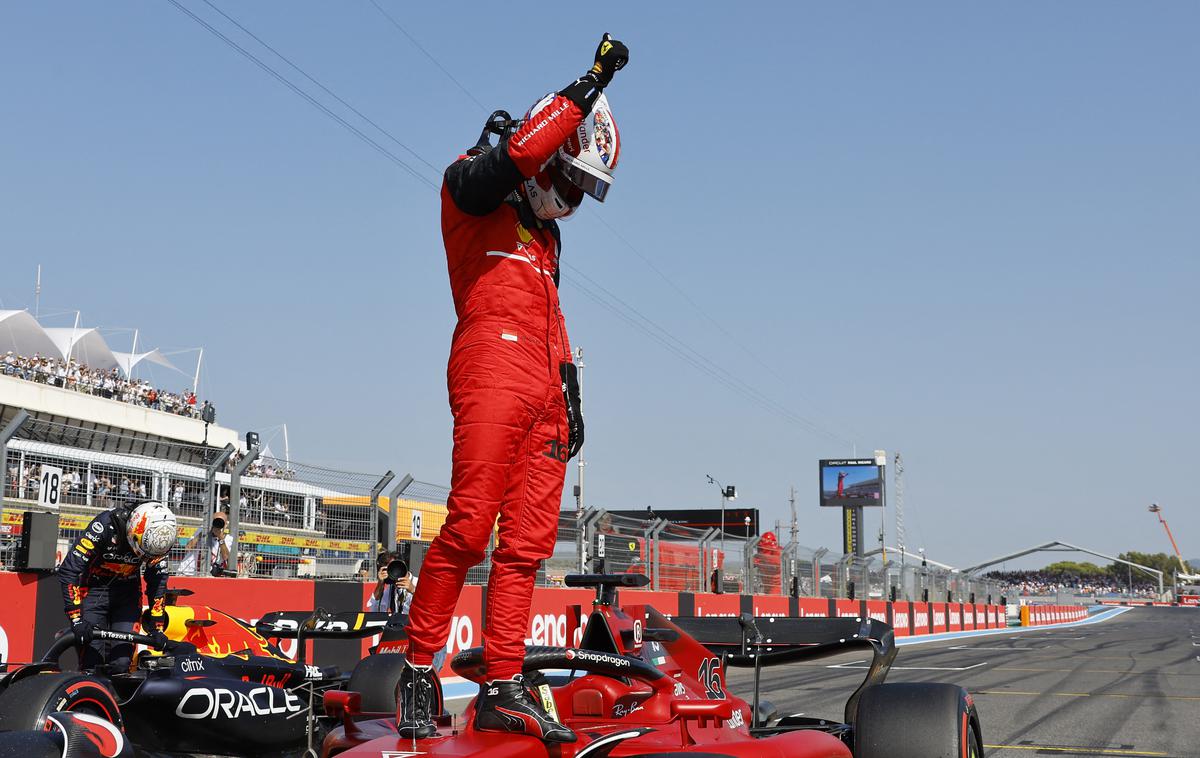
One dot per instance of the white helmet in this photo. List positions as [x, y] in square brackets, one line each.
[151, 529]
[583, 165]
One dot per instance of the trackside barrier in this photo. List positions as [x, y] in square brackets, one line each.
[1183, 600]
[1041, 615]
[32, 611]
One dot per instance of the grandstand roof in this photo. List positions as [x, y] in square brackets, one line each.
[127, 361]
[22, 334]
[84, 345]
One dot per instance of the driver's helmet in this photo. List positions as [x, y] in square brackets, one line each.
[151, 529]
[583, 165]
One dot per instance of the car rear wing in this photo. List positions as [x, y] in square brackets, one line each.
[321, 624]
[757, 641]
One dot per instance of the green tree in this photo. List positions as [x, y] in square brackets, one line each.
[1165, 563]
[1074, 568]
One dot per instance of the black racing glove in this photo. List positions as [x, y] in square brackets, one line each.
[83, 630]
[611, 57]
[570, 387]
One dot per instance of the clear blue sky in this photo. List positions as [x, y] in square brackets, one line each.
[993, 212]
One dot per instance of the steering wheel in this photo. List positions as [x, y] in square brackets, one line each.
[469, 664]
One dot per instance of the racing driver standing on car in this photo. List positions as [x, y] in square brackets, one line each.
[514, 392]
[101, 577]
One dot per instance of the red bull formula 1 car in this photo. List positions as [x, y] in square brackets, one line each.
[221, 687]
[639, 684]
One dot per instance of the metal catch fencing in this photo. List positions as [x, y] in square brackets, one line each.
[290, 519]
[678, 558]
[47, 469]
[293, 519]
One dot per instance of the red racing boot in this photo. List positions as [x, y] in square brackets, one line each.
[506, 705]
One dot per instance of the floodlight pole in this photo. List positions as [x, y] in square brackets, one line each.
[725, 495]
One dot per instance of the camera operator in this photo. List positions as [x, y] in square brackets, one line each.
[394, 593]
[217, 540]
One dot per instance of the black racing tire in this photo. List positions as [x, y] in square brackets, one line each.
[375, 678]
[24, 704]
[917, 720]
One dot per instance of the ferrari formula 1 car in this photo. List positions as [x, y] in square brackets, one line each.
[220, 687]
[639, 684]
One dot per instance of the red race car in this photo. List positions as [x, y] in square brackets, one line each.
[639, 684]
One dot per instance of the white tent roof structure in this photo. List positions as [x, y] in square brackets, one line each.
[127, 361]
[84, 345]
[23, 335]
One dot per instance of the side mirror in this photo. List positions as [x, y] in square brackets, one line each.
[341, 703]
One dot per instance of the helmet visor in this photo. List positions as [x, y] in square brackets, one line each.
[570, 192]
[593, 185]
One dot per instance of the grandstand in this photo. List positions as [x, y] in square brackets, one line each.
[118, 438]
[294, 519]
[71, 374]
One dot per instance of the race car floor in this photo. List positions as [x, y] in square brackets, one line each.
[1125, 686]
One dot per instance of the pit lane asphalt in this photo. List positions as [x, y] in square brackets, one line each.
[1126, 686]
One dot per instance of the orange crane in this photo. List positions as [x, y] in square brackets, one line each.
[1156, 509]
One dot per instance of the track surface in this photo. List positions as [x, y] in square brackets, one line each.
[1127, 686]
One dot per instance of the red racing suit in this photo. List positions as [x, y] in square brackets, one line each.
[506, 390]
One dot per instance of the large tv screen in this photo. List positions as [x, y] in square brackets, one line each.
[851, 482]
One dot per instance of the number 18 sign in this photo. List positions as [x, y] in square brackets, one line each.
[50, 485]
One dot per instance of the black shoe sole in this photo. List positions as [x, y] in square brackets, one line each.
[417, 732]
[549, 739]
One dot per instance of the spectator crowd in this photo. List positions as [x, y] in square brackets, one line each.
[107, 488]
[110, 384]
[267, 468]
[1042, 583]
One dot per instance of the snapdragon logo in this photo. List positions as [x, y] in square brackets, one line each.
[204, 703]
[585, 655]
